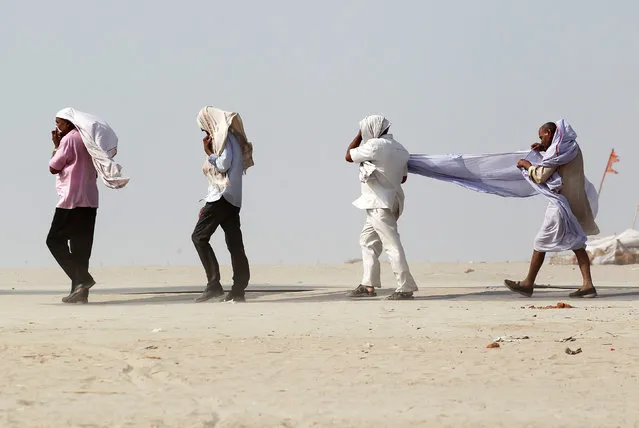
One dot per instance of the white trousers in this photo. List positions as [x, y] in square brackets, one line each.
[380, 232]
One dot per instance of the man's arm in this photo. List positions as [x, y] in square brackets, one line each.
[354, 144]
[223, 162]
[51, 169]
[363, 153]
[59, 155]
[405, 177]
[539, 174]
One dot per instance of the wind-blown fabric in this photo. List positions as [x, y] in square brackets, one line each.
[101, 143]
[218, 123]
[498, 174]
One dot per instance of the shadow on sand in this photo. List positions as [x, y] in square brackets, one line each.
[293, 295]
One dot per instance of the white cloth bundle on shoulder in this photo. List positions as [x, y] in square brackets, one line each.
[101, 143]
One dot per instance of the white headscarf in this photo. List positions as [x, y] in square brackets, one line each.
[218, 123]
[373, 127]
[101, 143]
[564, 144]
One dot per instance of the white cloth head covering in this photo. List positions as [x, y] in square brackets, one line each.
[373, 127]
[564, 144]
[218, 123]
[101, 143]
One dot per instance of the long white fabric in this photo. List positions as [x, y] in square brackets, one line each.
[101, 143]
[498, 174]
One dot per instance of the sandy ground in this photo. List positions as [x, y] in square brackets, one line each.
[315, 359]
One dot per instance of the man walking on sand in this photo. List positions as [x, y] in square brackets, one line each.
[569, 217]
[84, 146]
[228, 156]
[383, 169]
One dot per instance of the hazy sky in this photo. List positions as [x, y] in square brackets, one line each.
[452, 76]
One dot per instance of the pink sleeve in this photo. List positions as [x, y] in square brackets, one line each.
[62, 156]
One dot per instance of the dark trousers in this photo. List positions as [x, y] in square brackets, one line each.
[70, 240]
[224, 214]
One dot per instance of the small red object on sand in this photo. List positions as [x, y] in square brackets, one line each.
[563, 305]
[493, 345]
[559, 305]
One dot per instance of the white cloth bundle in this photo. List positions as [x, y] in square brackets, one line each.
[101, 143]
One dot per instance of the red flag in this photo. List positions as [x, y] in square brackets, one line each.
[612, 159]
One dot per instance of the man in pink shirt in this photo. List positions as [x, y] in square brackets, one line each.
[70, 238]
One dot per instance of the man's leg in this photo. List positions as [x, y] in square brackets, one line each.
[207, 224]
[385, 223]
[588, 288]
[371, 250]
[546, 236]
[536, 262]
[81, 226]
[81, 244]
[235, 244]
[58, 243]
[526, 287]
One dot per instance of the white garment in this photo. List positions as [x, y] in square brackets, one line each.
[556, 233]
[380, 232]
[381, 187]
[366, 170]
[218, 123]
[101, 143]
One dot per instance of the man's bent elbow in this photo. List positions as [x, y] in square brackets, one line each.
[223, 165]
[348, 157]
[53, 171]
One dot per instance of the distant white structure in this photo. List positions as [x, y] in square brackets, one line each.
[622, 249]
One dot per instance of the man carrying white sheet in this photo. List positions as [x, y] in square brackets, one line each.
[84, 146]
[566, 225]
[383, 169]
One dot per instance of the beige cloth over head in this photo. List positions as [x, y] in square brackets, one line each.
[218, 123]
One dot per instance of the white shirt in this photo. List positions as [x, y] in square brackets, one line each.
[383, 189]
[230, 161]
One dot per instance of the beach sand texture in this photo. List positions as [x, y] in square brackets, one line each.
[313, 358]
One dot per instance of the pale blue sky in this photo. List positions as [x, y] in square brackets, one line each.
[454, 76]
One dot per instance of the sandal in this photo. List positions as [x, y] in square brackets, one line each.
[362, 291]
[398, 295]
[518, 288]
[589, 293]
